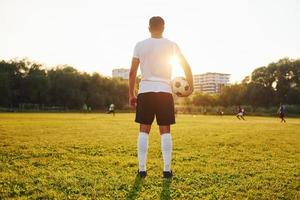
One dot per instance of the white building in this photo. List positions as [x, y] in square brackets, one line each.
[210, 82]
[120, 73]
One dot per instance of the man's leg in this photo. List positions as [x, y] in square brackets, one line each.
[143, 146]
[165, 116]
[282, 119]
[166, 146]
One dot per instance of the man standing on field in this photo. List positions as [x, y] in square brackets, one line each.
[155, 94]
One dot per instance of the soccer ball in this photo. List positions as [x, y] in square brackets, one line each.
[180, 86]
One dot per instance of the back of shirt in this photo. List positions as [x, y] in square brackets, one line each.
[281, 109]
[155, 61]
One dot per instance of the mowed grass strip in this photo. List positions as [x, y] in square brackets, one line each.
[93, 156]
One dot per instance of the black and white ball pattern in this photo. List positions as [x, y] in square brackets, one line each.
[180, 86]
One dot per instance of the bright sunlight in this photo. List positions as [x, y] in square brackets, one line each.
[177, 70]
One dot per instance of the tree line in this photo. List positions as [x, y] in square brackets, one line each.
[24, 82]
[270, 85]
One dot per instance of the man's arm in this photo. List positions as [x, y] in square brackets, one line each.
[132, 76]
[187, 71]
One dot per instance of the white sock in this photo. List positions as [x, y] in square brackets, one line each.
[166, 148]
[142, 150]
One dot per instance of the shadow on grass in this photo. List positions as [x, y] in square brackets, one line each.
[165, 193]
[137, 185]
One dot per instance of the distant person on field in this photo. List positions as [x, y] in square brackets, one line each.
[240, 114]
[281, 112]
[84, 108]
[155, 94]
[111, 109]
[220, 112]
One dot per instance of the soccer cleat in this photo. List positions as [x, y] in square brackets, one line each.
[168, 174]
[142, 174]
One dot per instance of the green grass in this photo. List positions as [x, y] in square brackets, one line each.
[89, 156]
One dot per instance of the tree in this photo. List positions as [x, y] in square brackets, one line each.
[201, 99]
[278, 79]
[258, 95]
[232, 95]
[35, 85]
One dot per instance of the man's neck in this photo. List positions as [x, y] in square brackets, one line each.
[157, 36]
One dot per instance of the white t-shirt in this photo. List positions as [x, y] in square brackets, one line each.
[155, 61]
[111, 107]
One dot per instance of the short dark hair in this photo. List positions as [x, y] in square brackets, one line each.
[156, 23]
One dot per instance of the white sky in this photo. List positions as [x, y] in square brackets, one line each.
[232, 36]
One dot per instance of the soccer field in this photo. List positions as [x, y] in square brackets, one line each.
[89, 156]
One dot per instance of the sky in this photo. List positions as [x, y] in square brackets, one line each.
[232, 36]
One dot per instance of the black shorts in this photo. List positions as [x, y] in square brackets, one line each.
[155, 104]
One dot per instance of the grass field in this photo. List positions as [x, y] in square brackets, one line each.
[89, 156]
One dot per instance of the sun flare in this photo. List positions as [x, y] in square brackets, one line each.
[176, 68]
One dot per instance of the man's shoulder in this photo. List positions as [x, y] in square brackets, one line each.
[143, 41]
[170, 41]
